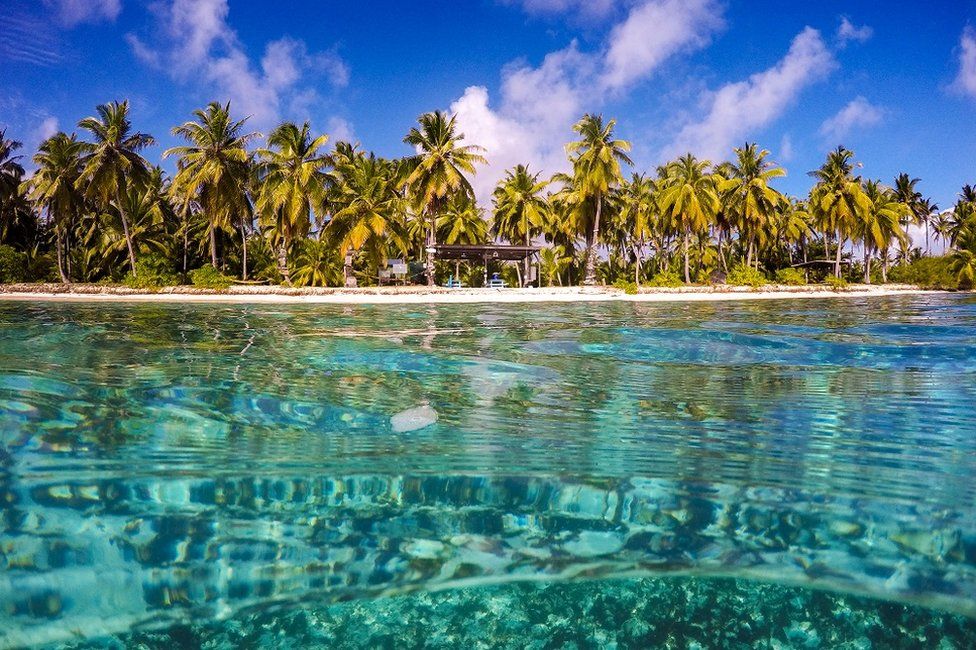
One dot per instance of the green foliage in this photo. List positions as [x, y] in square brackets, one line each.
[153, 271]
[13, 265]
[835, 283]
[666, 279]
[208, 277]
[926, 272]
[627, 286]
[745, 276]
[791, 277]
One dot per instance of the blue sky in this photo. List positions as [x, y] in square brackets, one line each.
[894, 81]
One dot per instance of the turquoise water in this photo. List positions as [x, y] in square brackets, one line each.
[781, 474]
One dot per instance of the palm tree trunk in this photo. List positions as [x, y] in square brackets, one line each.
[429, 267]
[59, 243]
[128, 242]
[721, 250]
[684, 246]
[283, 262]
[637, 263]
[244, 258]
[213, 245]
[840, 245]
[884, 266]
[928, 249]
[528, 258]
[867, 264]
[590, 277]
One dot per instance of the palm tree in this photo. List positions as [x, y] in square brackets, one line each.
[638, 215]
[690, 199]
[53, 188]
[112, 163]
[214, 170]
[881, 222]
[748, 195]
[521, 208]
[11, 171]
[462, 222]
[365, 209]
[907, 194]
[596, 159]
[438, 169]
[928, 213]
[838, 201]
[292, 181]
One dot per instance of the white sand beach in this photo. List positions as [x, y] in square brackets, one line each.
[437, 295]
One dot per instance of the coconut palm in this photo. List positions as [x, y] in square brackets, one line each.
[462, 222]
[214, 170]
[638, 214]
[438, 170]
[520, 208]
[748, 196]
[292, 181]
[317, 264]
[365, 209]
[881, 222]
[838, 201]
[690, 199]
[53, 188]
[112, 163]
[906, 192]
[11, 171]
[596, 159]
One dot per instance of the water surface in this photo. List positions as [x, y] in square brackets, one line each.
[170, 465]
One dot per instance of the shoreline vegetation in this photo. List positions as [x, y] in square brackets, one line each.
[292, 208]
[418, 294]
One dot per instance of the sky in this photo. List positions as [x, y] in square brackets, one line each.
[894, 81]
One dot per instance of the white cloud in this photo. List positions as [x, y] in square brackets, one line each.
[340, 130]
[48, 127]
[966, 79]
[848, 32]
[738, 109]
[198, 45]
[858, 113]
[786, 149]
[655, 31]
[531, 121]
[74, 12]
[584, 8]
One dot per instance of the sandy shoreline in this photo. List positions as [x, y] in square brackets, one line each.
[425, 295]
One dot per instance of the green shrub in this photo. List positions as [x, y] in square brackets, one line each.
[627, 286]
[926, 272]
[153, 271]
[791, 277]
[668, 279]
[835, 283]
[745, 276]
[13, 265]
[207, 277]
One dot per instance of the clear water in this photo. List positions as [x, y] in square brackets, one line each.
[783, 474]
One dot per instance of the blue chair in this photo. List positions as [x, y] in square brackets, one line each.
[496, 282]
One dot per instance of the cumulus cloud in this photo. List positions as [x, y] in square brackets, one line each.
[786, 149]
[859, 113]
[197, 45]
[48, 127]
[74, 12]
[655, 31]
[737, 109]
[530, 121]
[966, 79]
[586, 8]
[848, 32]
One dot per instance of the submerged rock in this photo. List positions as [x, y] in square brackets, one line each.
[414, 419]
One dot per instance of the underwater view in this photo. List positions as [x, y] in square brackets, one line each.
[775, 474]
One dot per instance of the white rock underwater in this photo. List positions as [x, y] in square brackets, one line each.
[419, 417]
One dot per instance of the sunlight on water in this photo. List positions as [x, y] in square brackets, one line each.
[213, 467]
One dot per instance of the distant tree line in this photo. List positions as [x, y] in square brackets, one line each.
[289, 208]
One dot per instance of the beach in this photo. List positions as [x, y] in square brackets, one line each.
[439, 295]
